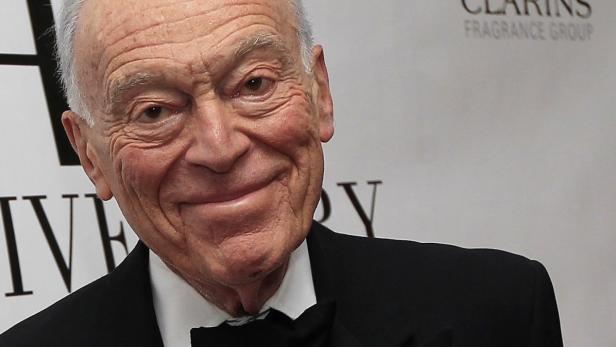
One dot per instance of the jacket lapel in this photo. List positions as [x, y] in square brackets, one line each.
[326, 278]
[326, 248]
[130, 319]
[342, 337]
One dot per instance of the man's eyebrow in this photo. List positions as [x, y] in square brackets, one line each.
[242, 49]
[263, 41]
[117, 88]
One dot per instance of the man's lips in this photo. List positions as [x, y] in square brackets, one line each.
[228, 196]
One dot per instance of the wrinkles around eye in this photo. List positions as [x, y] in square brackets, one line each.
[254, 108]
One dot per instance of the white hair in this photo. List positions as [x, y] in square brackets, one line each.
[65, 52]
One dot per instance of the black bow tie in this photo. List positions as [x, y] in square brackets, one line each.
[311, 329]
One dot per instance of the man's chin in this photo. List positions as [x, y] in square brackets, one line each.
[240, 260]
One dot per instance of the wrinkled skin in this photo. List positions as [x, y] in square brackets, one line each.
[207, 131]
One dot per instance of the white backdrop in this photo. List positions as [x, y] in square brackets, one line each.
[481, 137]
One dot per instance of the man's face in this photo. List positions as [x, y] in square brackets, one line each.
[207, 129]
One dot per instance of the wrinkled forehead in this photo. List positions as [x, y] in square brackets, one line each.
[106, 26]
[98, 13]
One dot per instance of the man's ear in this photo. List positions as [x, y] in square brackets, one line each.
[78, 131]
[325, 103]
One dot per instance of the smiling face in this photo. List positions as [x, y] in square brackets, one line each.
[207, 129]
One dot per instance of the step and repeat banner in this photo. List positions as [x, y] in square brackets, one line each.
[480, 123]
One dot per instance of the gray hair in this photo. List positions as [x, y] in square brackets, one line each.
[65, 52]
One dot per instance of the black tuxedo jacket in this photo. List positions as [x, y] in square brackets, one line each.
[387, 293]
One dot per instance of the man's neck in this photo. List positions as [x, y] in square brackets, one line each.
[240, 300]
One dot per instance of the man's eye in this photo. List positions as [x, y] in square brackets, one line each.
[154, 113]
[256, 86]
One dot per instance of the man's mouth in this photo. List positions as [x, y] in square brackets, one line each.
[237, 196]
[253, 193]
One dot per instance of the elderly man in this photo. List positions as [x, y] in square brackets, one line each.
[204, 119]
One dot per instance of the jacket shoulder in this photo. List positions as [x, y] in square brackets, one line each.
[61, 319]
[480, 294]
[373, 256]
[115, 310]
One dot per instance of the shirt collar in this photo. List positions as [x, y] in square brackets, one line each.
[179, 307]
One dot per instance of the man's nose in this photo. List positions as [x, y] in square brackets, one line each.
[217, 142]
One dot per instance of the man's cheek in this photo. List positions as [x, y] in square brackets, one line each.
[141, 170]
[291, 128]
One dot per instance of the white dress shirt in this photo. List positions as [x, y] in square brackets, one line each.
[179, 307]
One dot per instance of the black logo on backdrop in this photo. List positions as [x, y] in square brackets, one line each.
[65, 267]
[548, 8]
[539, 20]
[42, 22]
[368, 221]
